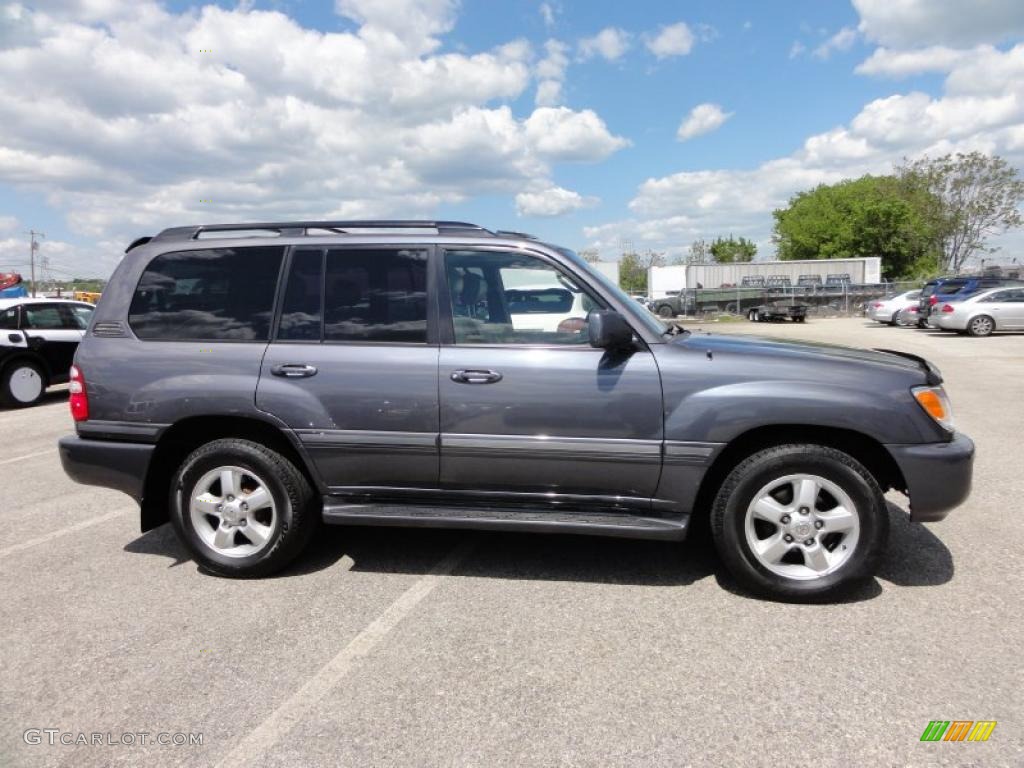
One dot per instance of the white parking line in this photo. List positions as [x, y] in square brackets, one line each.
[27, 456]
[62, 532]
[294, 709]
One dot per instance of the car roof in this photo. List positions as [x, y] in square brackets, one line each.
[19, 300]
[989, 291]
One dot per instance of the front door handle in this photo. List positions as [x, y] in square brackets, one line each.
[293, 370]
[476, 377]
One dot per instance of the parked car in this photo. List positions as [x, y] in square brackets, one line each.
[38, 339]
[981, 314]
[908, 316]
[946, 288]
[885, 310]
[249, 388]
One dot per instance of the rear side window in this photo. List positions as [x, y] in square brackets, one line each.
[953, 286]
[81, 316]
[300, 311]
[218, 294]
[9, 318]
[43, 317]
[377, 294]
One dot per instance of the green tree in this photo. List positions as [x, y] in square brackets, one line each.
[633, 270]
[733, 250]
[869, 216]
[972, 196]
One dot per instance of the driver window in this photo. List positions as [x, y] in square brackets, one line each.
[514, 298]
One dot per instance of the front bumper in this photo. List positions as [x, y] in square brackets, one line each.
[938, 475]
[121, 466]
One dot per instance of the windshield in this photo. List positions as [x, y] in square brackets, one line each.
[652, 323]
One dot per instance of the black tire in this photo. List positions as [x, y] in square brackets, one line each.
[728, 521]
[291, 492]
[752, 315]
[922, 324]
[982, 325]
[665, 312]
[894, 321]
[8, 385]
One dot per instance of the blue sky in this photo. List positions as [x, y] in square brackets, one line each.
[561, 118]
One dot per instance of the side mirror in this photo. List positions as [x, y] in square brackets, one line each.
[609, 330]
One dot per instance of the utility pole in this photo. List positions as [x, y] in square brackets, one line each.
[33, 247]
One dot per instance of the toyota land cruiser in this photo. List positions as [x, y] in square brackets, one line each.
[249, 382]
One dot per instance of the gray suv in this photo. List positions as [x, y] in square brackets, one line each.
[250, 382]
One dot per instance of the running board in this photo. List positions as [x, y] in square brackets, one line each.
[530, 520]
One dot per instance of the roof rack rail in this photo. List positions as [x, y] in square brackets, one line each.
[292, 228]
[513, 233]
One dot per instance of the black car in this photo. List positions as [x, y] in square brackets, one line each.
[38, 339]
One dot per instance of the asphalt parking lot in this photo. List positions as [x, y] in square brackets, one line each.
[429, 648]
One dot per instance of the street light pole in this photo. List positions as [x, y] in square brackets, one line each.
[33, 247]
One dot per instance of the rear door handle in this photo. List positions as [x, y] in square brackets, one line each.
[476, 377]
[293, 370]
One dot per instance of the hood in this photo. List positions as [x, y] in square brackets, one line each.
[806, 350]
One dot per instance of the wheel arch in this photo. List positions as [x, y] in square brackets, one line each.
[27, 355]
[864, 448]
[180, 439]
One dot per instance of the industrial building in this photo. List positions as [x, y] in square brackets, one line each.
[663, 281]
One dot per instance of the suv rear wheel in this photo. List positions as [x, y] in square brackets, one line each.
[800, 522]
[242, 509]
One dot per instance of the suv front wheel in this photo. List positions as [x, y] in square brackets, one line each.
[242, 509]
[800, 522]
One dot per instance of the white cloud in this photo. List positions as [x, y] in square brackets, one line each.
[916, 23]
[551, 73]
[704, 118]
[267, 118]
[547, 12]
[610, 44]
[797, 49]
[551, 201]
[8, 224]
[559, 133]
[842, 40]
[889, 63]
[671, 40]
[981, 107]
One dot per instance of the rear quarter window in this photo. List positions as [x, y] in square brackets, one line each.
[216, 294]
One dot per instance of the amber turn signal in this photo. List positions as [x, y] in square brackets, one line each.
[935, 404]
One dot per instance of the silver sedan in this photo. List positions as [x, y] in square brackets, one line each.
[997, 309]
[886, 310]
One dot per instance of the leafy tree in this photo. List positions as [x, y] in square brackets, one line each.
[973, 196]
[733, 250]
[633, 270]
[869, 216]
[699, 253]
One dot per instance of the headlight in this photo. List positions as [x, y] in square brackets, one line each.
[935, 404]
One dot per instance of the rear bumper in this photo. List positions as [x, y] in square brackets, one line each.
[938, 475]
[121, 466]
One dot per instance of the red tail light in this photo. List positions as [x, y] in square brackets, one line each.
[933, 300]
[877, 305]
[79, 396]
[947, 307]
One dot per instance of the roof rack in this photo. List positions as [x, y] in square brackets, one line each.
[293, 228]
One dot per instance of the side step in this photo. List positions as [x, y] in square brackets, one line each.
[531, 520]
